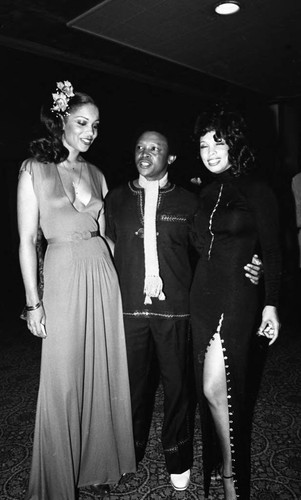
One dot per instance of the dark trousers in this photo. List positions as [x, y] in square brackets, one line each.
[159, 347]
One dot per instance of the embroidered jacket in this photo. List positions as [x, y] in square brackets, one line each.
[124, 225]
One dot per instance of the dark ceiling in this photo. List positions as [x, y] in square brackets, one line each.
[178, 44]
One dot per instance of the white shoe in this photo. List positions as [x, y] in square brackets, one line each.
[180, 482]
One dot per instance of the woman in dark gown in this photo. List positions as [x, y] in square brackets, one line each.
[237, 216]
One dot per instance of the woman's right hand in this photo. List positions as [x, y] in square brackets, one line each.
[270, 324]
[36, 322]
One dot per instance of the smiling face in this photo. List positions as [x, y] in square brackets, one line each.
[81, 128]
[151, 155]
[214, 153]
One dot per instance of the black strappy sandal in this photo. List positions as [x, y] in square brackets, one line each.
[227, 477]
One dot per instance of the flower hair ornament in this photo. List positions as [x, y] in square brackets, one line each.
[61, 98]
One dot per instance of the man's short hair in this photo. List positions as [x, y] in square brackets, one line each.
[163, 128]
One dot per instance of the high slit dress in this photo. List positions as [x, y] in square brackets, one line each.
[83, 430]
[237, 217]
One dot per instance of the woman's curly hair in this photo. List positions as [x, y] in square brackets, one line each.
[50, 148]
[230, 126]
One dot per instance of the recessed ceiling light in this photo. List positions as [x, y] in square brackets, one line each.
[227, 7]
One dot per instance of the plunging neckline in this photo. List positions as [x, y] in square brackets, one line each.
[68, 197]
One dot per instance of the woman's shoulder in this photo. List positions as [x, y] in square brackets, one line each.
[259, 193]
[32, 165]
[256, 185]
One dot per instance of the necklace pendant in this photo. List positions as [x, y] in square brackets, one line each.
[75, 187]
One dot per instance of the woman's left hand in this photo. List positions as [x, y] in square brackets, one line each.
[270, 324]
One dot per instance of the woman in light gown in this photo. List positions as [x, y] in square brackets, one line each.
[83, 431]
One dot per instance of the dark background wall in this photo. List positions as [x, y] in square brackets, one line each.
[124, 104]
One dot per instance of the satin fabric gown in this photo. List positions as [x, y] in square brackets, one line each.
[83, 430]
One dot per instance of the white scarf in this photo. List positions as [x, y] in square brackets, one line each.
[153, 284]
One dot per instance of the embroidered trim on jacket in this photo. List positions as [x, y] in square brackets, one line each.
[173, 218]
[152, 314]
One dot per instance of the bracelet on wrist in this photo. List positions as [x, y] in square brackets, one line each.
[32, 308]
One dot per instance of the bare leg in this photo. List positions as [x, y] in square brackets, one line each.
[215, 391]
